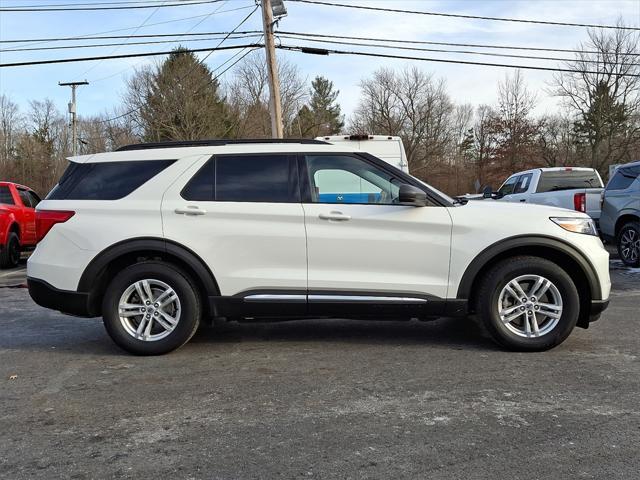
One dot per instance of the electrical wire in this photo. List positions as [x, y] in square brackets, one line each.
[17, 9]
[464, 52]
[323, 51]
[128, 55]
[471, 17]
[115, 37]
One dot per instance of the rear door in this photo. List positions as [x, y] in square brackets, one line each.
[362, 244]
[242, 215]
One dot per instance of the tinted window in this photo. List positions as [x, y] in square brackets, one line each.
[35, 199]
[345, 179]
[5, 196]
[256, 178]
[26, 199]
[105, 181]
[523, 183]
[567, 180]
[623, 178]
[508, 186]
[200, 187]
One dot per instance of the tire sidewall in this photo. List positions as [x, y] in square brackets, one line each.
[629, 226]
[13, 242]
[189, 302]
[570, 303]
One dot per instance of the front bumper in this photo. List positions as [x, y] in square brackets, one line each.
[65, 301]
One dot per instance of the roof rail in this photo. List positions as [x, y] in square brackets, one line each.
[215, 143]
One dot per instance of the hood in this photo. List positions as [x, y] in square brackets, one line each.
[486, 206]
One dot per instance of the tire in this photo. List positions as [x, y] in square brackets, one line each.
[10, 254]
[628, 243]
[519, 334]
[157, 335]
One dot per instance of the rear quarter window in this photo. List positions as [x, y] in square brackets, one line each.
[623, 178]
[5, 196]
[567, 180]
[105, 181]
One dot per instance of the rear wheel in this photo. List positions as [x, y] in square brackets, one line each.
[10, 254]
[629, 244]
[528, 303]
[151, 308]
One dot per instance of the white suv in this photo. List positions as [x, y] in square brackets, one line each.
[156, 238]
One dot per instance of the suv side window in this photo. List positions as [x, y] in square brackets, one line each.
[105, 181]
[346, 179]
[523, 183]
[508, 186]
[269, 178]
[5, 196]
[623, 178]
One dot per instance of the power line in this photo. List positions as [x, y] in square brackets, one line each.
[32, 42]
[75, 9]
[128, 55]
[449, 44]
[116, 37]
[439, 50]
[472, 17]
[78, 4]
[323, 51]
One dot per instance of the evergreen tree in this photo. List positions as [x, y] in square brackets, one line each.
[322, 116]
[177, 100]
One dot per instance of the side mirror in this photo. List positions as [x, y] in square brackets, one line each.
[487, 192]
[410, 195]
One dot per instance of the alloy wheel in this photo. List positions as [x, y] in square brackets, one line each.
[630, 245]
[149, 310]
[530, 306]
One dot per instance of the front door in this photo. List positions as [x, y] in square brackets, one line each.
[362, 244]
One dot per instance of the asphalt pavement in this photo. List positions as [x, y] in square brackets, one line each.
[319, 399]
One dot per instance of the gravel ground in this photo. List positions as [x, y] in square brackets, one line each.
[319, 399]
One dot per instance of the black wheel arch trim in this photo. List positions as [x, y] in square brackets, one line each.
[148, 244]
[519, 241]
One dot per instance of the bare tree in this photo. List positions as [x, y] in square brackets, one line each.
[603, 92]
[11, 123]
[413, 105]
[248, 96]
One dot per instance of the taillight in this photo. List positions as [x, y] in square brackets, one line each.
[46, 219]
[580, 202]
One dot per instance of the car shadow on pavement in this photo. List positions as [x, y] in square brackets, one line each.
[444, 332]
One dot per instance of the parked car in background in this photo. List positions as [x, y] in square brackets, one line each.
[17, 222]
[385, 147]
[620, 218]
[156, 238]
[574, 188]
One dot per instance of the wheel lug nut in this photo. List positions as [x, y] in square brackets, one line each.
[148, 302]
[522, 308]
[156, 305]
[524, 300]
[537, 307]
[155, 314]
[533, 299]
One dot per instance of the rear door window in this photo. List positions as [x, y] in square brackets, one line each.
[105, 181]
[5, 196]
[623, 178]
[26, 199]
[269, 178]
[567, 180]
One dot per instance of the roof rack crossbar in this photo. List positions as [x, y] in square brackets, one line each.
[215, 143]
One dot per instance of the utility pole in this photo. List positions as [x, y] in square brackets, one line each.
[269, 7]
[72, 112]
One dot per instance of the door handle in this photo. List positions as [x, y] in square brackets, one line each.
[523, 200]
[335, 215]
[190, 210]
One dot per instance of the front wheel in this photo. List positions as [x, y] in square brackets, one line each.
[528, 303]
[629, 244]
[151, 308]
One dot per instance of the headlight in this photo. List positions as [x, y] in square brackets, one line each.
[576, 225]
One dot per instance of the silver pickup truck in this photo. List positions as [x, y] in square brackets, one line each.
[575, 188]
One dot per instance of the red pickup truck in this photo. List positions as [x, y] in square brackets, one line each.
[17, 222]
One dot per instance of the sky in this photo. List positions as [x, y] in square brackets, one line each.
[465, 83]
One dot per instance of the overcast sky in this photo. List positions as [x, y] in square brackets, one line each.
[466, 84]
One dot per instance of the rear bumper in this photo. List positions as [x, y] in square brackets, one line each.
[65, 301]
